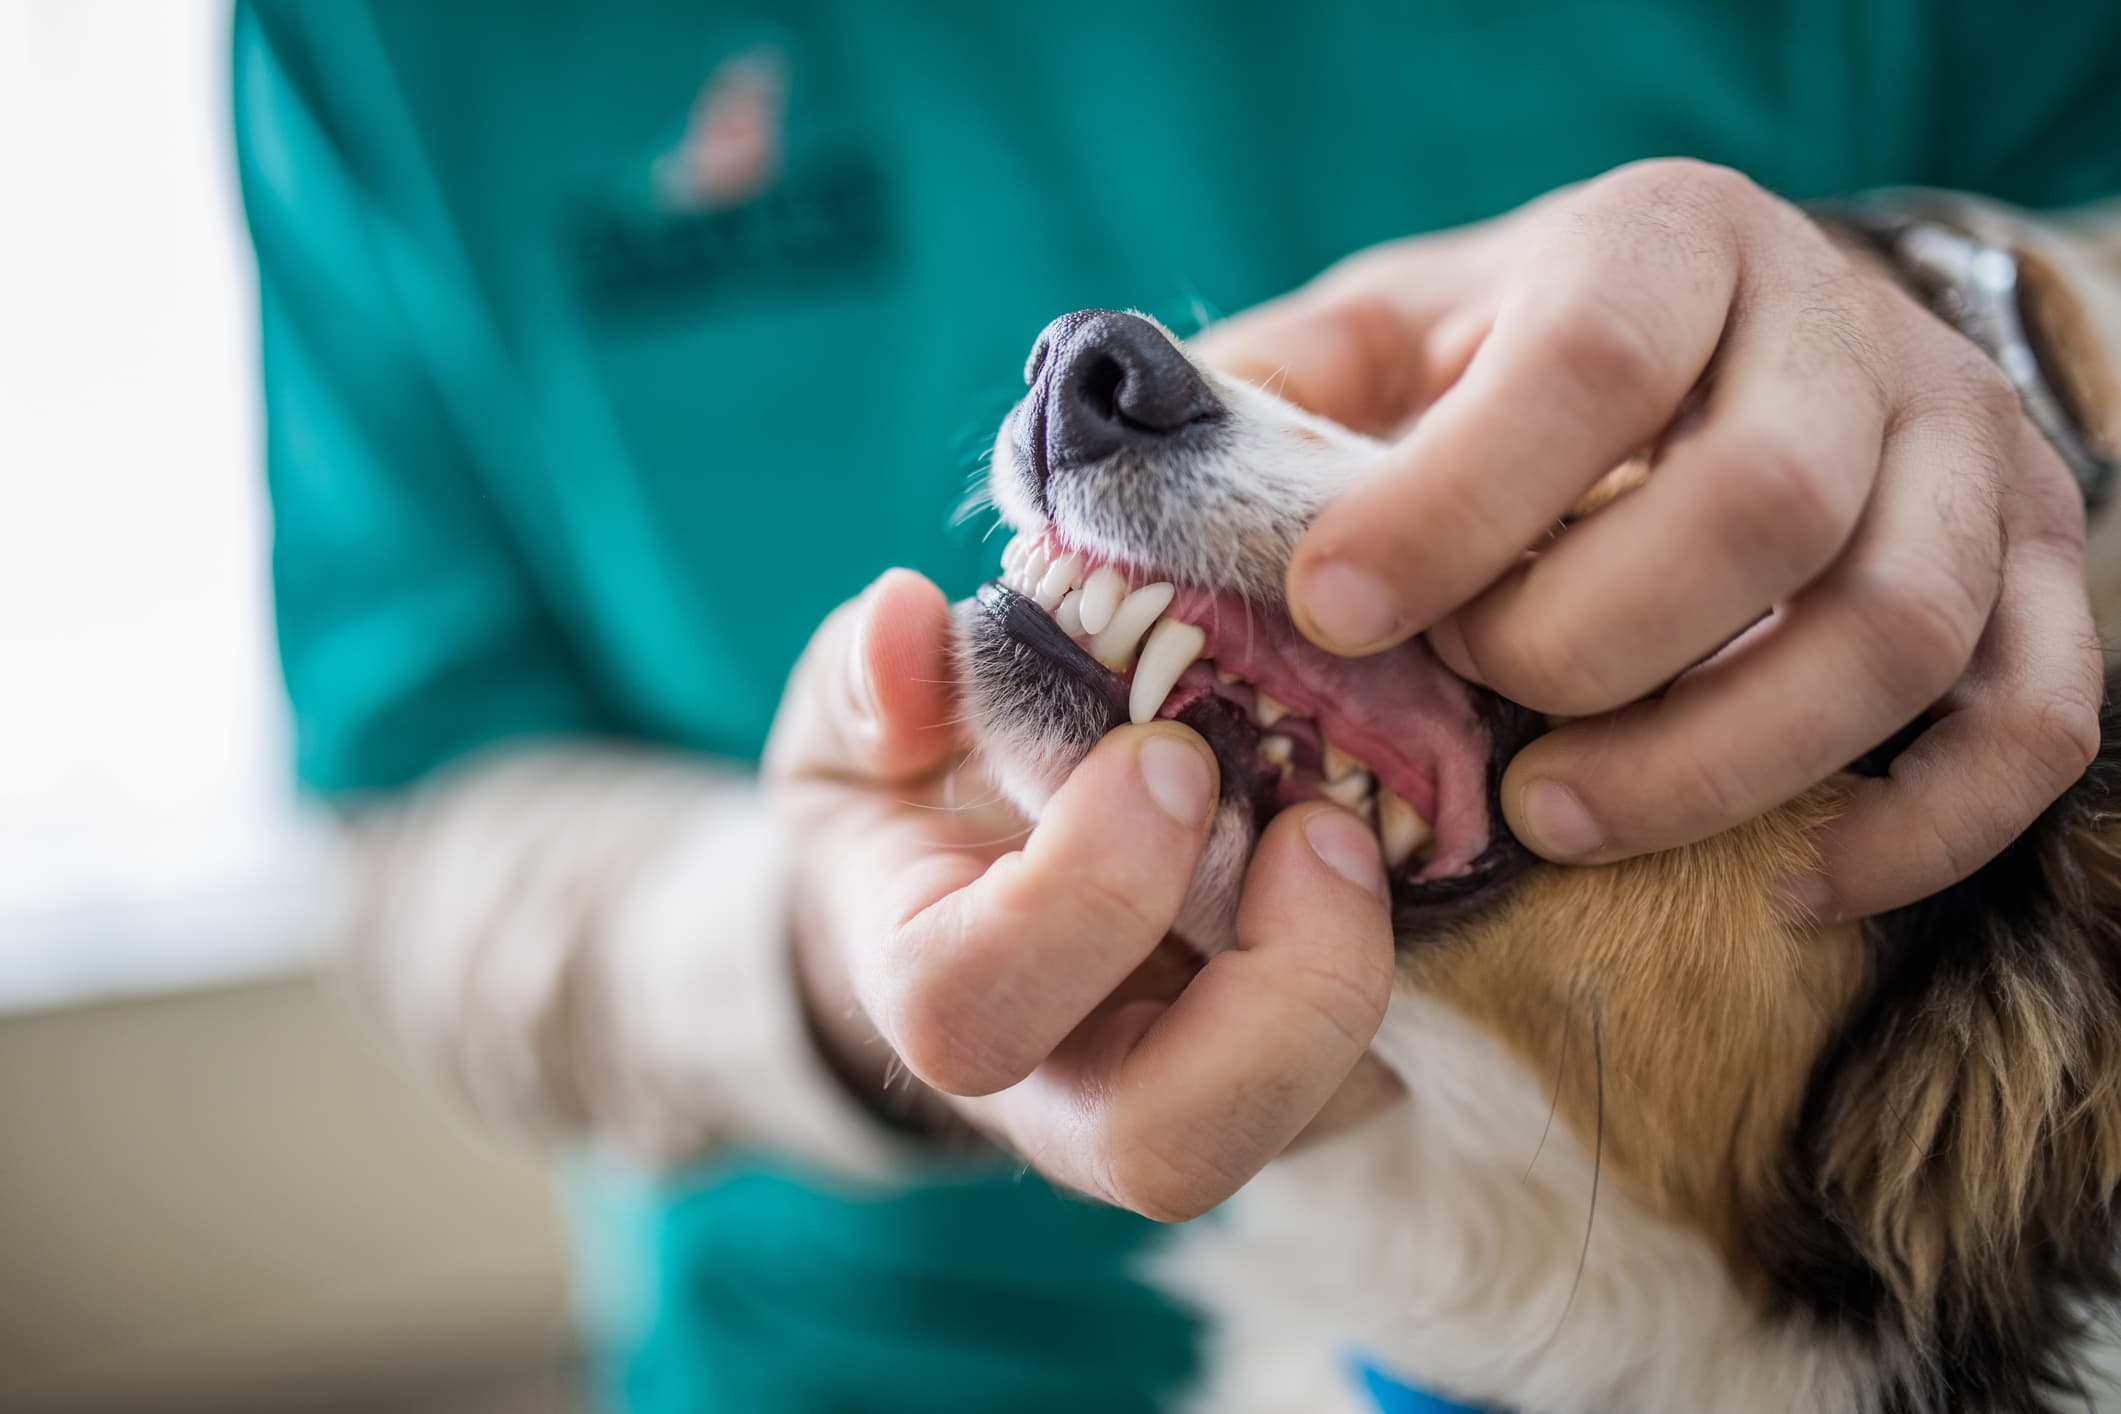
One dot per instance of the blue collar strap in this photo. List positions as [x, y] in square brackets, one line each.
[1392, 1397]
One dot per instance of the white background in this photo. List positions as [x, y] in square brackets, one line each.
[149, 833]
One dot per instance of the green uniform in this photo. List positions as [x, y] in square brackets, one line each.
[552, 452]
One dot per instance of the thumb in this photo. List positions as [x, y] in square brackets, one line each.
[873, 697]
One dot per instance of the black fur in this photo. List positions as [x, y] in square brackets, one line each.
[2034, 916]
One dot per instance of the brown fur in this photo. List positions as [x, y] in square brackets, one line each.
[1911, 1125]
[1705, 1002]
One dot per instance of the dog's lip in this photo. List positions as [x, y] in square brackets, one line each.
[1417, 901]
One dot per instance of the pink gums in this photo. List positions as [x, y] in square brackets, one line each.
[1410, 719]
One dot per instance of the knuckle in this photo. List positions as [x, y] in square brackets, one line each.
[1713, 792]
[1548, 665]
[1788, 500]
[1987, 393]
[1612, 350]
[1106, 908]
[1137, 1175]
[932, 1021]
[2062, 736]
[1669, 177]
[1344, 1000]
[1923, 625]
[1962, 389]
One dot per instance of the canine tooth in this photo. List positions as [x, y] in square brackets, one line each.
[1269, 710]
[1060, 577]
[1032, 569]
[1350, 790]
[1013, 552]
[1277, 749]
[1115, 643]
[1226, 677]
[1339, 763]
[1400, 829]
[1102, 593]
[1172, 648]
[1070, 613]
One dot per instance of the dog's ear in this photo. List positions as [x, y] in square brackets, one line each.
[1955, 1179]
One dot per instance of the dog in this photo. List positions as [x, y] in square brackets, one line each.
[1667, 1144]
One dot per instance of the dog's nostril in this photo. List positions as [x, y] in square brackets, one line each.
[1100, 386]
[1112, 381]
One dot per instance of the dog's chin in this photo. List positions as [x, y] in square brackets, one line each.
[1039, 702]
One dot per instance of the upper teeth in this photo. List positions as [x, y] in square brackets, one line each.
[1173, 647]
[1118, 620]
[1069, 613]
[1061, 576]
[1115, 643]
[1102, 594]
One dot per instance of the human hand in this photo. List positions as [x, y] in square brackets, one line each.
[1028, 977]
[1827, 453]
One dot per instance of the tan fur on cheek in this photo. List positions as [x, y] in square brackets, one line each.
[1678, 986]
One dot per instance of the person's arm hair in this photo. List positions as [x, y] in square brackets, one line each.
[594, 940]
[590, 939]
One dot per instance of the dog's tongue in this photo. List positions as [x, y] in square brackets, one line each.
[1413, 721]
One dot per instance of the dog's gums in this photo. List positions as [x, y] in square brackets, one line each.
[1137, 634]
[1393, 739]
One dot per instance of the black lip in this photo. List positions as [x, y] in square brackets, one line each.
[1417, 906]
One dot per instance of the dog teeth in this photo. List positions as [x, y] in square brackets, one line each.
[1013, 553]
[1339, 763]
[1268, 710]
[1350, 791]
[1226, 677]
[1060, 577]
[1400, 829]
[1102, 594]
[1032, 569]
[1277, 750]
[1115, 643]
[1070, 614]
[1172, 648]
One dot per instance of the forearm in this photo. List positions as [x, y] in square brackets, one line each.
[594, 940]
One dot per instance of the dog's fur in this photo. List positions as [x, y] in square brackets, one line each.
[1667, 1146]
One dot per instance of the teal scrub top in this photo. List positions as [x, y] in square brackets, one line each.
[558, 448]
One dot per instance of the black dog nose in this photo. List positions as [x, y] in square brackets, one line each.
[1107, 382]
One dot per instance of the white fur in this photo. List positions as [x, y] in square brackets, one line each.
[1429, 1238]
[1432, 1240]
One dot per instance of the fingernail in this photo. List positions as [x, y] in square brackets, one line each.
[1347, 847]
[1347, 609]
[1177, 776]
[861, 692]
[1558, 824]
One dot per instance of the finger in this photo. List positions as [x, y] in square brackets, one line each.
[1168, 1110]
[872, 697]
[2022, 730]
[1863, 652]
[1743, 510]
[977, 986]
[1368, 345]
[1600, 338]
